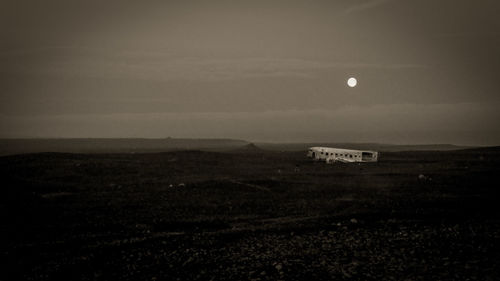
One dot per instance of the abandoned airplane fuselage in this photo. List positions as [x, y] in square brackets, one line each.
[330, 155]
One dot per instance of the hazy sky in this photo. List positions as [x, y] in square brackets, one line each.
[428, 71]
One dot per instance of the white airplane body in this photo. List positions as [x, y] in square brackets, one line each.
[331, 155]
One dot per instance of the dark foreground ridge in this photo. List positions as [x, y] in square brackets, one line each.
[197, 215]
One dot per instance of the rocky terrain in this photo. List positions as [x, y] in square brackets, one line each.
[250, 215]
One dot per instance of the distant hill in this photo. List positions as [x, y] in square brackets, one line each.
[137, 145]
[248, 148]
[105, 145]
[362, 146]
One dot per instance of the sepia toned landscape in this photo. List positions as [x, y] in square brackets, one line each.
[249, 140]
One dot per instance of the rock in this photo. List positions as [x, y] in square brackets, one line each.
[353, 220]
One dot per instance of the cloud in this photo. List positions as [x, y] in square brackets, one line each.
[471, 123]
[161, 66]
[365, 6]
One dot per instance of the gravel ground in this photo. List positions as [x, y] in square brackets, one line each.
[219, 216]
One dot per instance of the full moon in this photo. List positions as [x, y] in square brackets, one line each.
[352, 82]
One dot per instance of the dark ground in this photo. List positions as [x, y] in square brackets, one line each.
[250, 215]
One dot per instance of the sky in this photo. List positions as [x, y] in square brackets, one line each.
[428, 71]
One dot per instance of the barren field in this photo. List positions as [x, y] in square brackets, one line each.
[255, 215]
